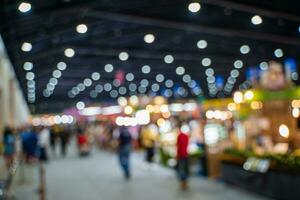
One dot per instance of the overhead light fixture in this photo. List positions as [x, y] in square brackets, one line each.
[108, 67]
[256, 20]
[202, 44]
[24, 7]
[30, 76]
[180, 70]
[61, 66]
[129, 77]
[27, 66]
[87, 82]
[80, 105]
[263, 66]
[56, 73]
[81, 87]
[209, 72]
[169, 59]
[99, 88]
[278, 53]
[146, 69]
[149, 38]
[160, 78]
[96, 76]
[155, 87]
[114, 93]
[122, 90]
[238, 64]
[132, 87]
[194, 7]
[69, 52]
[107, 87]
[244, 49]
[234, 73]
[81, 28]
[53, 81]
[206, 62]
[144, 82]
[186, 78]
[26, 47]
[123, 56]
[169, 83]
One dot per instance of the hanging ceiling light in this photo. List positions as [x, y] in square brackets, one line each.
[149, 38]
[244, 49]
[278, 53]
[202, 44]
[26, 47]
[81, 28]
[24, 7]
[123, 56]
[69, 52]
[194, 7]
[256, 20]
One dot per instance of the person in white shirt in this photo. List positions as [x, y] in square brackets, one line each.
[43, 143]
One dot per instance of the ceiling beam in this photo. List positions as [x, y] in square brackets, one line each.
[224, 32]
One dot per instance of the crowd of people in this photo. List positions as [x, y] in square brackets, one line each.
[41, 143]
[31, 144]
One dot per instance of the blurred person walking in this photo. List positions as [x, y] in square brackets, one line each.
[82, 143]
[124, 150]
[183, 156]
[43, 143]
[9, 142]
[64, 139]
[29, 144]
[149, 136]
[53, 139]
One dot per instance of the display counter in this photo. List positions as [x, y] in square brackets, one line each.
[280, 181]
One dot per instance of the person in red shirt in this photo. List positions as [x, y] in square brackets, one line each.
[82, 143]
[183, 156]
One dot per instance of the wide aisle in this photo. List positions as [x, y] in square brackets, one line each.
[99, 177]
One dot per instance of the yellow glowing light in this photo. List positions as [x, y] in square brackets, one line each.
[150, 108]
[238, 97]
[159, 100]
[164, 108]
[232, 106]
[255, 105]
[166, 114]
[128, 110]
[295, 112]
[249, 95]
[209, 114]
[296, 103]
[284, 131]
[229, 115]
[156, 108]
[160, 121]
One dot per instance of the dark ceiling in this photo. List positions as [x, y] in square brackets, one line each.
[116, 26]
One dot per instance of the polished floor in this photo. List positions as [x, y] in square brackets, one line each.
[99, 177]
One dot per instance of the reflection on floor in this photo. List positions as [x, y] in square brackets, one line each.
[99, 177]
